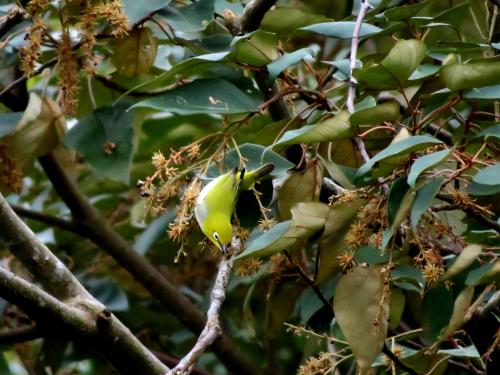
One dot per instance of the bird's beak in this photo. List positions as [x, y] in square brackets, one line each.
[223, 248]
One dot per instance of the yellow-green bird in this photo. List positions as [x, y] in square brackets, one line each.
[217, 200]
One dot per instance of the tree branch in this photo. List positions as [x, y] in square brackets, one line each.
[396, 360]
[68, 302]
[212, 328]
[36, 257]
[98, 230]
[14, 17]
[19, 334]
[56, 222]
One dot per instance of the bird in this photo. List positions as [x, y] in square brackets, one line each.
[216, 202]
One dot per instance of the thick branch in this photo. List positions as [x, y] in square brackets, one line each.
[212, 329]
[36, 257]
[86, 320]
[98, 230]
[14, 17]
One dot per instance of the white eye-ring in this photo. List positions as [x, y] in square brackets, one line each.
[216, 236]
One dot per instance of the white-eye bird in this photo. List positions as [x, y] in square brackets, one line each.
[217, 200]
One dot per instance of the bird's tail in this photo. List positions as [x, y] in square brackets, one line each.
[251, 177]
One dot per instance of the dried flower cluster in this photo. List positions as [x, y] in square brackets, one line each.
[247, 266]
[11, 176]
[30, 52]
[463, 200]
[430, 261]
[67, 69]
[322, 364]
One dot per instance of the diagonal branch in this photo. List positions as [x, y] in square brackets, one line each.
[212, 328]
[36, 257]
[98, 230]
[56, 222]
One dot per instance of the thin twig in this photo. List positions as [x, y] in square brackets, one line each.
[312, 284]
[212, 329]
[54, 221]
[396, 360]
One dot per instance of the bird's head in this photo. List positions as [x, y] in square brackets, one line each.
[220, 231]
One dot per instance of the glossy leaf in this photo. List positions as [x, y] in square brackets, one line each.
[332, 129]
[257, 48]
[269, 242]
[300, 186]
[468, 255]
[357, 305]
[483, 93]
[467, 352]
[482, 273]
[399, 202]
[105, 140]
[406, 146]
[255, 156]
[190, 18]
[404, 58]
[425, 162]
[136, 53]
[459, 314]
[423, 200]
[203, 96]
[492, 131]
[404, 12]
[287, 60]
[388, 111]
[397, 305]
[341, 30]
[137, 9]
[489, 175]
[470, 76]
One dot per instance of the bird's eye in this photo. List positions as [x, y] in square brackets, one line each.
[216, 236]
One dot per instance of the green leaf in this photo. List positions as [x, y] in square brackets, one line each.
[437, 309]
[269, 242]
[388, 111]
[188, 66]
[135, 53]
[467, 352]
[370, 255]
[255, 156]
[459, 314]
[137, 9]
[492, 131]
[483, 93]
[397, 304]
[257, 48]
[410, 274]
[105, 140]
[307, 219]
[406, 146]
[470, 76]
[425, 162]
[343, 68]
[482, 273]
[341, 30]
[360, 313]
[404, 58]
[8, 122]
[468, 255]
[300, 186]
[480, 189]
[203, 96]
[402, 13]
[395, 69]
[190, 18]
[489, 175]
[424, 71]
[399, 202]
[286, 61]
[423, 200]
[332, 129]
[295, 18]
